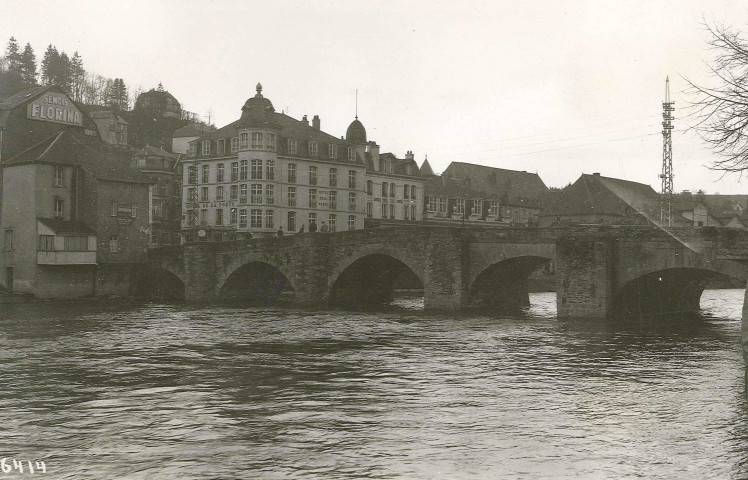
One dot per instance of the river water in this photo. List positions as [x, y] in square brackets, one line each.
[124, 390]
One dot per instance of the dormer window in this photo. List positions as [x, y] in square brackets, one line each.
[312, 149]
[234, 145]
[292, 146]
[244, 140]
[221, 147]
[332, 151]
[206, 147]
[350, 154]
[270, 141]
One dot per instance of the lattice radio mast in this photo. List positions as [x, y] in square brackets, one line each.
[666, 194]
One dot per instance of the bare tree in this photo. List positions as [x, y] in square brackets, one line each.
[721, 111]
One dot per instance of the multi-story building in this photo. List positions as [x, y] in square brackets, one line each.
[394, 187]
[468, 193]
[165, 173]
[74, 213]
[180, 141]
[267, 172]
[112, 127]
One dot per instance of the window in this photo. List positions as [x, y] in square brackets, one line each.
[406, 191]
[58, 207]
[113, 244]
[312, 175]
[255, 218]
[192, 174]
[333, 177]
[459, 206]
[243, 193]
[221, 146]
[478, 207]
[219, 193]
[9, 240]
[312, 198]
[333, 200]
[405, 212]
[269, 219]
[412, 192]
[270, 170]
[244, 140]
[269, 194]
[369, 187]
[431, 203]
[392, 189]
[292, 146]
[384, 189]
[291, 196]
[256, 169]
[332, 151]
[270, 141]
[312, 149]
[219, 173]
[493, 210]
[158, 209]
[257, 140]
[205, 177]
[58, 175]
[46, 242]
[352, 201]
[350, 154]
[291, 173]
[243, 170]
[442, 204]
[219, 216]
[191, 197]
[291, 221]
[234, 171]
[413, 212]
[204, 216]
[233, 216]
[115, 207]
[312, 218]
[332, 219]
[243, 217]
[392, 210]
[204, 194]
[134, 210]
[193, 148]
[234, 144]
[351, 222]
[256, 193]
[369, 209]
[352, 179]
[234, 193]
[206, 147]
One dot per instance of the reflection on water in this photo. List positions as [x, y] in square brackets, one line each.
[147, 391]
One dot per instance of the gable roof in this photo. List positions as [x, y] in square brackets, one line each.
[426, 170]
[453, 187]
[64, 149]
[399, 165]
[9, 103]
[193, 130]
[514, 186]
[148, 150]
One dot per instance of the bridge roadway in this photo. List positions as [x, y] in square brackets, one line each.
[600, 271]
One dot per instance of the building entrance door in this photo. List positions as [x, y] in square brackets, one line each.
[9, 279]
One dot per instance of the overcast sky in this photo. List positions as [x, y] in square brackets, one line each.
[557, 88]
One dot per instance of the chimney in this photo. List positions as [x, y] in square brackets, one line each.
[409, 155]
[687, 193]
[596, 174]
[315, 122]
[304, 119]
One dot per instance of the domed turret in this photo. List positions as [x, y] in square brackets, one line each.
[356, 133]
[258, 110]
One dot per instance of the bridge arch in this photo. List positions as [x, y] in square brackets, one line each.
[162, 284]
[369, 276]
[255, 282]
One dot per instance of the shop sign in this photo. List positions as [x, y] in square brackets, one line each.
[217, 204]
[56, 108]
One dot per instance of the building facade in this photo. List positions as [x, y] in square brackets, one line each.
[180, 142]
[112, 127]
[74, 214]
[394, 187]
[268, 172]
[164, 171]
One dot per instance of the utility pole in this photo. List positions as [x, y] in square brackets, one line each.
[666, 193]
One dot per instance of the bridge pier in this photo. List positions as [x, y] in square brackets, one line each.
[445, 266]
[200, 272]
[584, 277]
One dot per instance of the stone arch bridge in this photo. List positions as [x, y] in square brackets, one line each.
[599, 271]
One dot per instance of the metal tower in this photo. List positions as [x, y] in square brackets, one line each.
[666, 194]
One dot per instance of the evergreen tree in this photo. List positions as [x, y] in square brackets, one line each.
[13, 56]
[11, 80]
[77, 77]
[62, 72]
[49, 62]
[28, 66]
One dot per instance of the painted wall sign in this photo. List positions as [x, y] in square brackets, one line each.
[55, 107]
